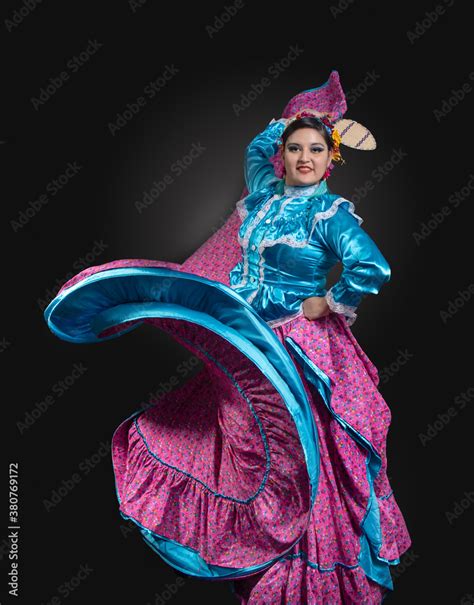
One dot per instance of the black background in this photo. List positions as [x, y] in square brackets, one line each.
[411, 77]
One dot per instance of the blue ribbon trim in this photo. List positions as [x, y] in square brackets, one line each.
[374, 566]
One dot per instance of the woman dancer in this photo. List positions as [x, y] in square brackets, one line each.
[268, 468]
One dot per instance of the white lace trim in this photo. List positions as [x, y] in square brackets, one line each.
[285, 239]
[244, 241]
[275, 323]
[291, 241]
[301, 191]
[281, 120]
[319, 216]
[336, 307]
[264, 244]
[241, 209]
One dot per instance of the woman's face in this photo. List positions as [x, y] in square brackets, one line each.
[306, 157]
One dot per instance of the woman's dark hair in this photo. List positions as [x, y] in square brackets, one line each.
[308, 122]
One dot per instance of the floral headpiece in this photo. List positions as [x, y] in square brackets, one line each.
[328, 104]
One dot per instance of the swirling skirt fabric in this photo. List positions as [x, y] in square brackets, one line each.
[267, 468]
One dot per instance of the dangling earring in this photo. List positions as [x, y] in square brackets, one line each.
[328, 171]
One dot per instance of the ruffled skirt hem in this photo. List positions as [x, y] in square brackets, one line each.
[267, 468]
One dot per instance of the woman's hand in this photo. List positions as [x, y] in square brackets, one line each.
[315, 307]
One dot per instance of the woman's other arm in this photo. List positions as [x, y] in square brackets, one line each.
[365, 269]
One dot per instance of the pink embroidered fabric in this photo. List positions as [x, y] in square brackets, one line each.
[205, 469]
[176, 464]
[323, 567]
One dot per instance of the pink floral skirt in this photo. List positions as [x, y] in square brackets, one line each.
[325, 567]
[216, 470]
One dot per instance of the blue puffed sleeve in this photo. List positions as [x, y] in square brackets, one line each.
[258, 169]
[365, 269]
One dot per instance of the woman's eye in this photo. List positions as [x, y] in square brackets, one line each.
[313, 149]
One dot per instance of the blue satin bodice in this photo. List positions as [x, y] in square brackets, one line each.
[291, 236]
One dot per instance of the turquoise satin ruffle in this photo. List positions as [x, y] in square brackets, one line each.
[109, 298]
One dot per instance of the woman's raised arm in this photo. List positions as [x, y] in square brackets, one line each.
[258, 169]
